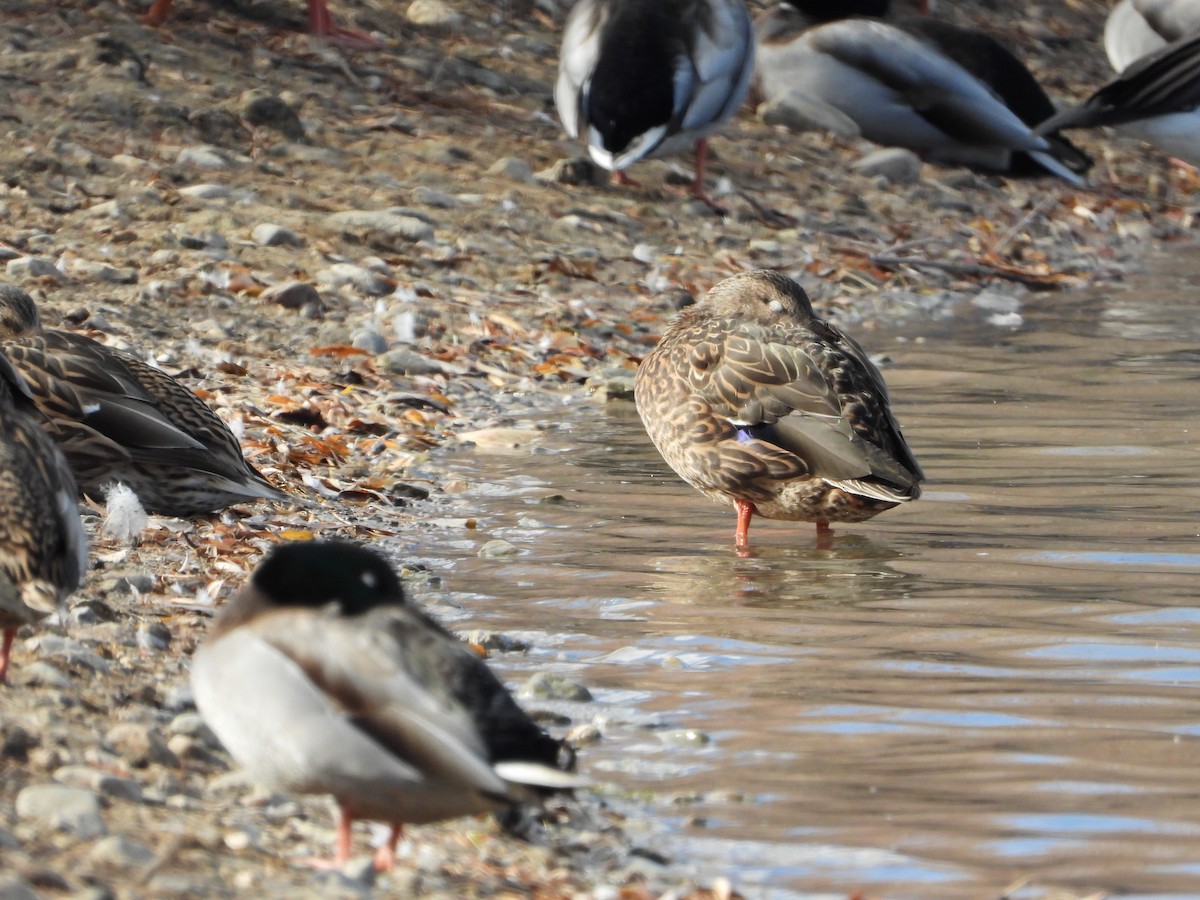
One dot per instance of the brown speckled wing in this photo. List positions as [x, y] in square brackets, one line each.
[117, 418]
[43, 549]
[785, 403]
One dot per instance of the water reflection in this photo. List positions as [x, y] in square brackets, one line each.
[999, 680]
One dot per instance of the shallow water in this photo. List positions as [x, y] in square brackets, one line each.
[1002, 679]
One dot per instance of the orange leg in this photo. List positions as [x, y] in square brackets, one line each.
[320, 22]
[745, 511]
[385, 856]
[341, 855]
[619, 177]
[698, 184]
[824, 536]
[158, 12]
[5, 650]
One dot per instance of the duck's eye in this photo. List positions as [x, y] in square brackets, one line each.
[370, 579]
[775, 306]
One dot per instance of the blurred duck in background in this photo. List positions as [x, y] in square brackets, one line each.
[642, 78]
[1136, 28]
[1155, 99]
[952, 95]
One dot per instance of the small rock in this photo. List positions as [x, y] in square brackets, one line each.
[294, 295]
[99, 781]
[403, 361]
[87, 269]
[512, 168]
[202, 158]
[796, 111]
[14, 887]
[551, 686]
[179, 697]
[382, 229]
[15, 741]
[494, 640]
[153, 636]
[895, 164]
[238, 840]
[434, 198]
[684, 737]
[135, 583]
[360, 278]
[139, 745]
[45, 675]
[206, 191]
[371, 341]
[193, 240]
[193, 725]
[32, 267]
[586, 733]
[498, 548]
[575, 170]
[63, 808]
[269, 235]
[264, 109]
[120, 852]
[70, 650]
[89, 612]
[433, 14]
[612, 383]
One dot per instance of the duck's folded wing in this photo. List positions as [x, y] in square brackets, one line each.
[360, 670]
[937, 89]
[1167, 81]
[717, 75]
[778, 393]
[77, 386]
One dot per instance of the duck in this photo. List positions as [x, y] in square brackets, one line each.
[321, 677]
[1156, 99]
[756, 402]
[1135, 28]
[320, 23]
[643, 78]
[953, 95]
[117, 418]
[43, 547]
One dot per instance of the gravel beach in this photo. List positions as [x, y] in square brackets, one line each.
[360, 257]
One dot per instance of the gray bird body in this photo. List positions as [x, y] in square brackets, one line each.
[371, 702]
[1135, 28]
[640, 78]
[900, 87]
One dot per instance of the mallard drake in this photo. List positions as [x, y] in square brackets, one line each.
[755, 401]
[639, 78]
[1135, 28]
[319, 677]
[320, 23]
[43, 550]
[953, 95]
[119, 419]
[1156, 99]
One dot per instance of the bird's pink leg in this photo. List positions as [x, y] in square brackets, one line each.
[824, 536]
[341, 855]
[619, 177]
[385, 856]
[698, 184]
[320, 22]
[5, 650]
[158, 12]
[745, 511]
